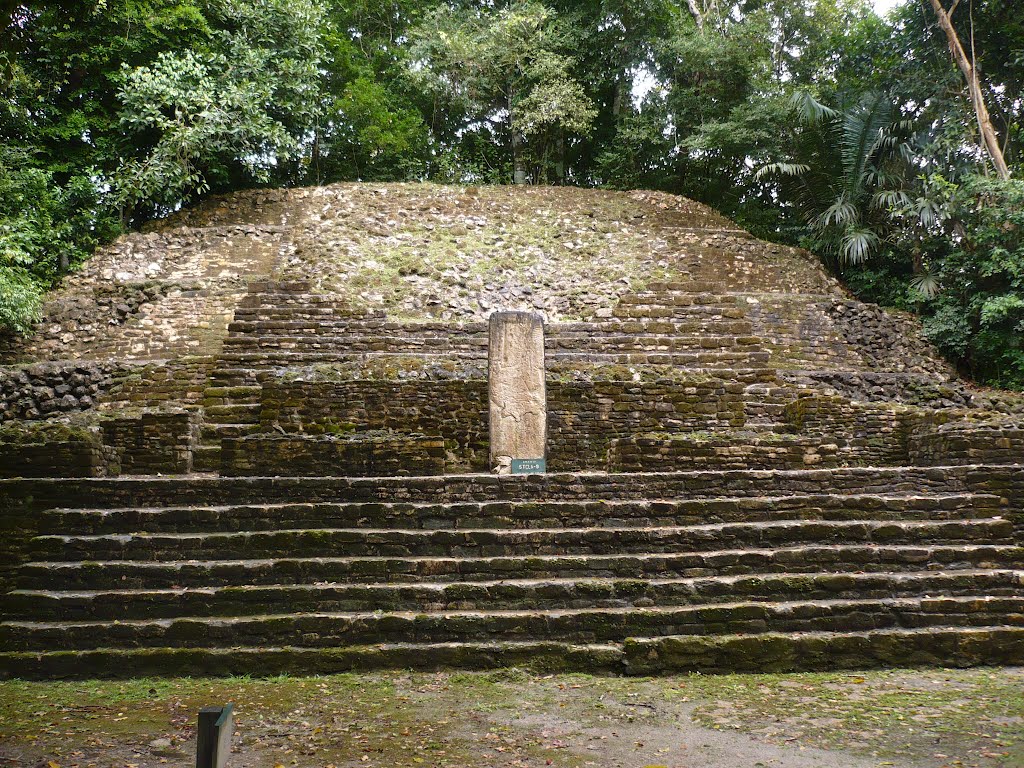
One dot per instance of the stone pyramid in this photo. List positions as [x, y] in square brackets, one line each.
[254, 438]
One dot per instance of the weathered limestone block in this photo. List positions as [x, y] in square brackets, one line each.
[518, 405]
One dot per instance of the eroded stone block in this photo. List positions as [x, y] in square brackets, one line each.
[518, 405]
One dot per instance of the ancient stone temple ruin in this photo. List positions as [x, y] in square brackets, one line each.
[261, 437]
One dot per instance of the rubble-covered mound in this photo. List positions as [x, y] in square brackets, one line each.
[414, 251]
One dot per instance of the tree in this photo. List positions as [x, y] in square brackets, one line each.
[978, 316]
[849, 172]
[225, 114]
[368, 134]
[503, 71]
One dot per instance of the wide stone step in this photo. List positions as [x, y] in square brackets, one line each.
[935, 646]
[234, 413]
[380, 542]
[229, 376]
[678, 296]
[510, 514]
[704, 359]
[700, 325]
[762, 652]
[214, 397]
[582, 367]
[317, 341]
[250, 322]
[231, 392]
[679, 291]
[206, 458]
[211, 662]
[839, 558]
[303, 302]
[655, 309]
[264, 358]
[599, 327]
[215, 431]
[512, 594]
[587, 625]
[374, 341]
[119, 492]
[650, 342]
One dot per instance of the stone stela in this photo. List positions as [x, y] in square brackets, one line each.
[516, 394]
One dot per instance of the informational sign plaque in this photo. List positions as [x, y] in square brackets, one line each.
[529, 466]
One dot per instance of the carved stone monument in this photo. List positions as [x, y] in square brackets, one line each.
[518, 404]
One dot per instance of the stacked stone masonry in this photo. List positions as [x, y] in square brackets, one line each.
[228, 451]
[365, 454]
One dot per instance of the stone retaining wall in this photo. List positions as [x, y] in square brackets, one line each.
[53, 449]
[454, 411]
[40, 391]
[841, 335]
[366, 455]
[829, 431]
[654, 453]
[966, 443]
[166, 383]
[906, 388]
[153, 442]
[142, 442]
[44, 390]
[865, 434]
[82, 316]
[583, 416]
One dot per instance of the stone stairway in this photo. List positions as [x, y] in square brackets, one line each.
[282, 325]
[623, 573]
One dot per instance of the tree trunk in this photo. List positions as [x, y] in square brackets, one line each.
[519, 175]
[314, 159]
[560, 159]
[988, 132]
[698, 15]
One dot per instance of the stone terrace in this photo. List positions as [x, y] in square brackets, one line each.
[750, 469]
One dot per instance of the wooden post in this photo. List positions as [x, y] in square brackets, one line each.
[213, 736]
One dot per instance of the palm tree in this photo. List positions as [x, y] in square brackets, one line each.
[851, 173]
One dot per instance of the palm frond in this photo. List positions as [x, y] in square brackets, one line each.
[809, 109]
[927, 211]
[782, 169]
[862, 130]
[841, 213]
[857, 245]
[927, 284]
[886, 199]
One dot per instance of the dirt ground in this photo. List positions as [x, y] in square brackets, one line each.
[510, 718]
